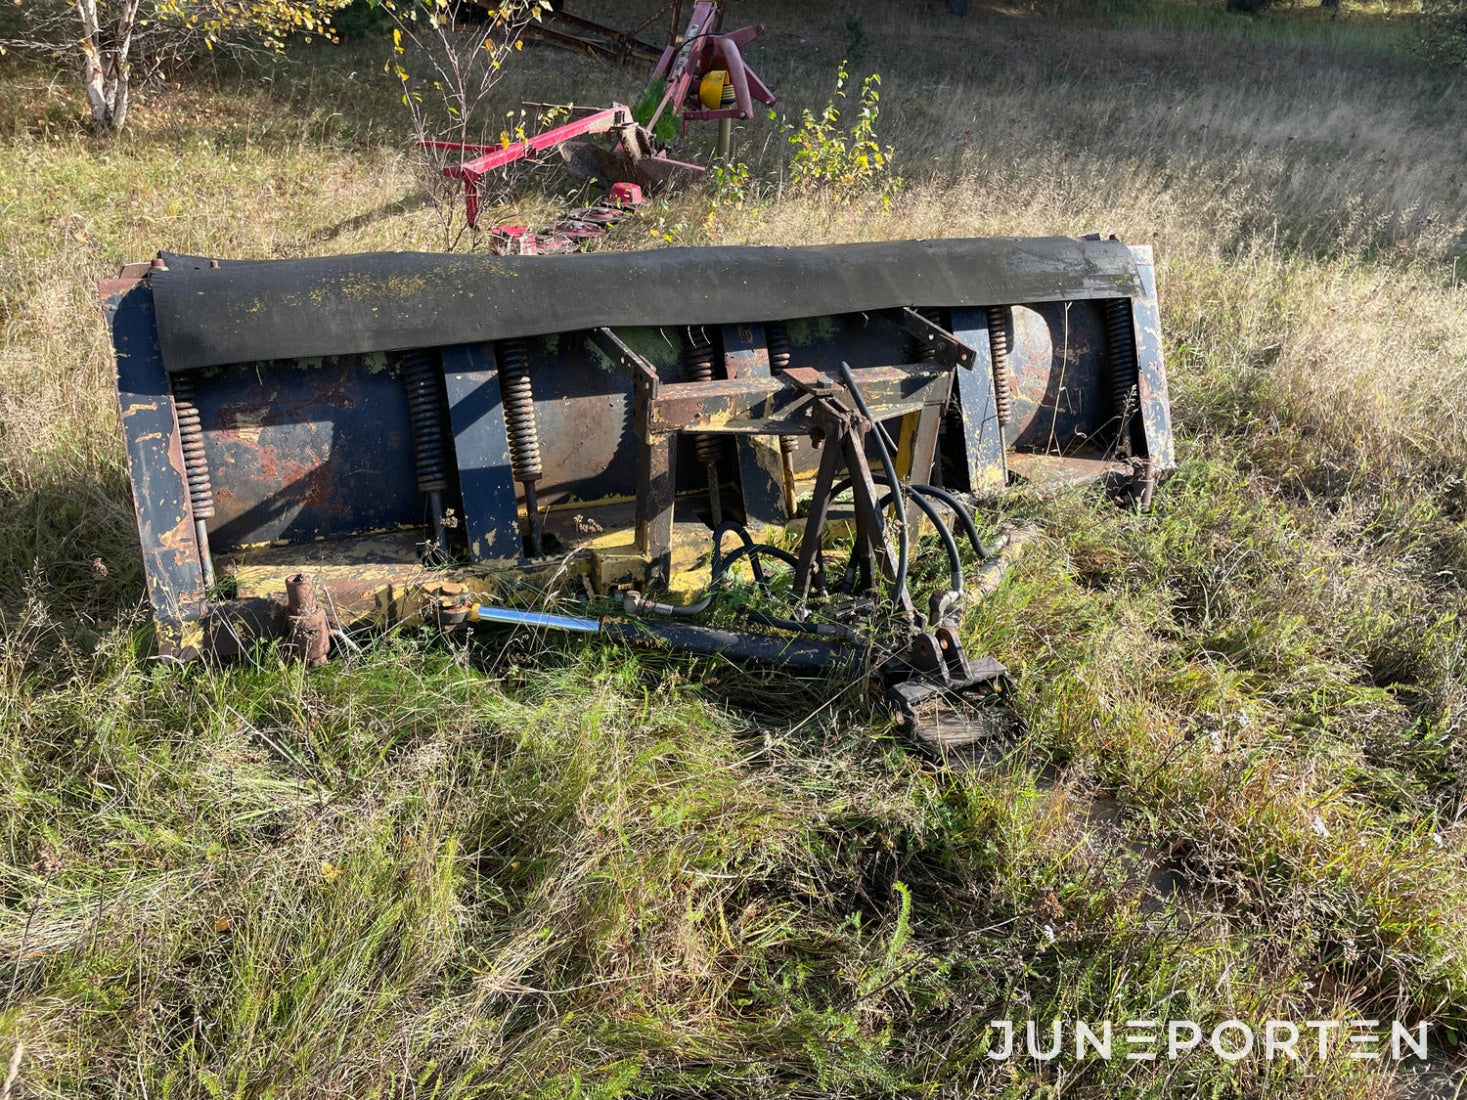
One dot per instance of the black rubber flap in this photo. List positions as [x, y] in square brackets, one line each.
[386, 301]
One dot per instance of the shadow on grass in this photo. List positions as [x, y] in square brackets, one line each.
[406, 205]
[69, 542]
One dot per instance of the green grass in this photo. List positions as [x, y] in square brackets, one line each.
[1365, 29]
[556, 869]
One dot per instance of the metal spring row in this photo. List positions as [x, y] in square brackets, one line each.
[698, 367]
[519, 427]
[519, 411]
[425, 413]
[998, 344]
[778, 339]
[1124, 381]
[191, 436]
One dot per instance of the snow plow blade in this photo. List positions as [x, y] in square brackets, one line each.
[420, 433]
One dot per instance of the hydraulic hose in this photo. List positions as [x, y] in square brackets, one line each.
[670, 610]
[753, 550]
[949, 543]
[718, 565]
[919, 493]
[965, 517]
[899, 582]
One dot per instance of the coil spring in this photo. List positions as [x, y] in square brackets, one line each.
[425, 414]
[519, 411]
[777, 339]
[998, 344]
[925, 350]
[1121, 343]
[191, 436]
[698, 367]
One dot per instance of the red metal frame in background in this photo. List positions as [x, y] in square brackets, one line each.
[699, 51]
[497, 156]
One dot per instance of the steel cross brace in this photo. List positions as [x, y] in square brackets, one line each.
[656, 458]
[841, 434]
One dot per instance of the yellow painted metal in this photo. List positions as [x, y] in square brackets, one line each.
[381, 581]
[710, 89]
[906, 442]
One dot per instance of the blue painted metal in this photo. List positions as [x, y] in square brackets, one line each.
[165, 518]
[982, 438]
[309, 450]
[761, 475]
[1156, 416]
[1061, 396]
[491, 514]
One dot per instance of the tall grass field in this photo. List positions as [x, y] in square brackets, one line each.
[532, 867]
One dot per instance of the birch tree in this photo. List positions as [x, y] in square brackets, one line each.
[115, 42]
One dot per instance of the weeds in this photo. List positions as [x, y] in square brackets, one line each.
[450, 106]
[843, 163]
[1442, 33]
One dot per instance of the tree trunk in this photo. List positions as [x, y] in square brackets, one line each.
[105, 68]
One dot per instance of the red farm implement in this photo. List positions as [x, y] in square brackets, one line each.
[704, 78]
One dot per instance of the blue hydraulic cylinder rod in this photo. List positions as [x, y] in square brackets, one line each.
[485, 614]
[801, 653]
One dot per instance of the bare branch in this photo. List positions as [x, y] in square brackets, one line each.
[107, 37]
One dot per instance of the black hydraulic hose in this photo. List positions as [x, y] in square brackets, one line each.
[822, 587]
[737, 528]
[794, 625]
[965, 517]
[899, 582]
[754, 550]
[919, 493]
[692, 610]
[676, 611]
[886, 435]
[944, 532]
[750, 547]
[804, 654]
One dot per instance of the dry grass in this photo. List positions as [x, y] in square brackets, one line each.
[566, 872]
